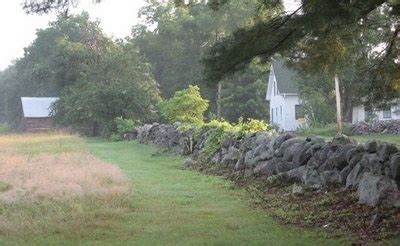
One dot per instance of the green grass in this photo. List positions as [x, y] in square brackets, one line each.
[329, 132]
[167, 206]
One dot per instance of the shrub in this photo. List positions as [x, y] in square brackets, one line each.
[122, 126]
[187, 106]
[218, 131]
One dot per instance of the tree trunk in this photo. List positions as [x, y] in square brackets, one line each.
[347, 104]
[338, 105]
[219, 100]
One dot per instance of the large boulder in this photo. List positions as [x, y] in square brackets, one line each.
[330, 177]
[280, 139]
[354, 176]
[296, 174]
[371, 146]
[312, 179]
[231, 156]
[395, 167]
[385, 150]
[267, 168]
[374, 190]
[285, 145]
[373, 164]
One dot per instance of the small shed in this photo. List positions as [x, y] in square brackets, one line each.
[37, 113]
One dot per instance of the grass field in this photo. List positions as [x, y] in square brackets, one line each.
[163, 205]
[329, 132]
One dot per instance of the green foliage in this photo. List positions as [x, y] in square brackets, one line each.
[219, 130]
[182, 37]
[187, 106]
[122, 126]
[119, 84]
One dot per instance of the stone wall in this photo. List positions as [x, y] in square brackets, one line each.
[386, 127]
[371, 169]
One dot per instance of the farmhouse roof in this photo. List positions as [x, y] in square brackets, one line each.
[285, 78]
[37, 107]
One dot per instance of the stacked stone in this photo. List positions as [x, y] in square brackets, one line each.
[385, 127]
[372, 169]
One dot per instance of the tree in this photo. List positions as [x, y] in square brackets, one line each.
[182, 37]
[55, 60]
[119, 84]
[187, 106]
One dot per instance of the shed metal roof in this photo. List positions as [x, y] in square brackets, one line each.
[37, 107]
[285, 78]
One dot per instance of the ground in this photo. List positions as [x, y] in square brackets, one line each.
[163, 205]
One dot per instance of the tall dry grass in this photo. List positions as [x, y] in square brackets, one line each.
[54, 166]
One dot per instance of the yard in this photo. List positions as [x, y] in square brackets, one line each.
[58, 189]
[328, 132]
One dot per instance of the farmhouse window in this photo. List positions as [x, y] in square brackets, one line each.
[299, 114]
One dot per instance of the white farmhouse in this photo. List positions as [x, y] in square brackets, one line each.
[283, 97]
[391, 112]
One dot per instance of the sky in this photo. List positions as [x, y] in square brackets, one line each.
[18, 29]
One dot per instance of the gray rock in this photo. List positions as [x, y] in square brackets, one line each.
[279, 152]
[312, 179]
[357, 150]
[344, 173]
[374, 190]
[284, 166]
[240, 164]
[330, 177]
[301, 155]
[266, 168]
[231, 157]
[282, 138]
[372, 163]
[355, 159]
[259, 150]
[395, 167]
[385, 150]
[315, 140]
[354, 176]
[296, 174]
[288, 153]
[261, 138]
[371, 146]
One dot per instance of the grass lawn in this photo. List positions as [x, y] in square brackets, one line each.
[165, 205]
[330, 131]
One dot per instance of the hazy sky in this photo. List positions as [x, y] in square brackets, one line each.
[18, 29]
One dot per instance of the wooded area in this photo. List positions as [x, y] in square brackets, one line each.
[223, 47]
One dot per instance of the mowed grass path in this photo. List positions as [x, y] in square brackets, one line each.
[179, 207]
[165, 204]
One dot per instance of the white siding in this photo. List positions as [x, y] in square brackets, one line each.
[359, 114]
[291, 124]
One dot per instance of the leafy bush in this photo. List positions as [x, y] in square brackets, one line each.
[187, 106]
[218, 131]
[122, 126]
